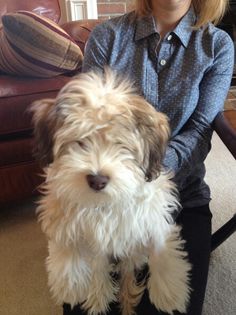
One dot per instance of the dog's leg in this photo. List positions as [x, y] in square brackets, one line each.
[130, 291]
[69, 274]
[169, 275]
[103, 289]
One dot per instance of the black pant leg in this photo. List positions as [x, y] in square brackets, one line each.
[67, 310]
[196, 230]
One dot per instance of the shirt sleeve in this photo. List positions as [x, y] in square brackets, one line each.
[98, 49]
[190, 147]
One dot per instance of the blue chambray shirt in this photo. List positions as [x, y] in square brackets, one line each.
[186, 76]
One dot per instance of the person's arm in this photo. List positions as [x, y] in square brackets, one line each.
[98, 49]
[191, 146]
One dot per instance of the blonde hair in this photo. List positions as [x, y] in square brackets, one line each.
[206, 10]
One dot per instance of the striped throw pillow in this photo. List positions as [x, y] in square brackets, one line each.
[32, 45]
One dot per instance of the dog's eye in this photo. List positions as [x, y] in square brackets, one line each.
[82, 145]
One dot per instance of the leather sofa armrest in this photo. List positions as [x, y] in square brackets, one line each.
[226, 132]
[80, 30]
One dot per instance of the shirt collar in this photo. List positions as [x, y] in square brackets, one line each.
[146, 26]
[184, 29]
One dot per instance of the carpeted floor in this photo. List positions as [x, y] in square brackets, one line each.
[230, 103]
[23, 280]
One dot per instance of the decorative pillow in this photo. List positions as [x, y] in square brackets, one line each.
[32, 45]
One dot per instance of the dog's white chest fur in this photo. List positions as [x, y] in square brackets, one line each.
[119, 229]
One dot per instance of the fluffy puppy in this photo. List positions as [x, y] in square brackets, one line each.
[106, 198]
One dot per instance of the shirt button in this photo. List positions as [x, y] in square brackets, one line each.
[163, 62]
[169, 37]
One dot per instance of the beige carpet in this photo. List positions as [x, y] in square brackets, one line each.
[23, 281]
[230, 103]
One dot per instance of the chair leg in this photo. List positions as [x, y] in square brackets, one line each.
[223, 233]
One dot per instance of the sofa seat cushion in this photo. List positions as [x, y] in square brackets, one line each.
[20, 181]
[16, 96]
[17, 151]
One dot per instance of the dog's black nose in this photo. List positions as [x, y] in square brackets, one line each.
[97, 182]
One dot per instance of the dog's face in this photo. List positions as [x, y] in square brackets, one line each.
[99, 138]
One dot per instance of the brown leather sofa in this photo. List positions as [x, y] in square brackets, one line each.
[19, 172]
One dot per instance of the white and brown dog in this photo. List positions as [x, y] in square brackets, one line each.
[107, 198]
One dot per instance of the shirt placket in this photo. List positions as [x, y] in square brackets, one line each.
[159, 53]
[150, 87]
[164, 51]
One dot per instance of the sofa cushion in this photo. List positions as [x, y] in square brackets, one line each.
[35, 46]
[16, 151]
[16, 96]
[19, 181]
[48, 8]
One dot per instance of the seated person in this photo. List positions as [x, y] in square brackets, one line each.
[182, 64]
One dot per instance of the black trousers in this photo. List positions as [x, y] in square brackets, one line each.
[196, 230]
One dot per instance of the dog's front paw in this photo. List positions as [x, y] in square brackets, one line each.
[99, 298]
[170, 293]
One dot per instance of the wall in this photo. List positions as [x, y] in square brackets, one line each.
[111, 8]
[106, 8]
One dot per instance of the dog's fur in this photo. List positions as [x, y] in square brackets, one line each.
[106, 198]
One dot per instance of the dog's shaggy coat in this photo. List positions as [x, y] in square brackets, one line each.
[107, 199]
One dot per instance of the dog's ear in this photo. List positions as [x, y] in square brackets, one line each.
[44, 122]
[154, 129]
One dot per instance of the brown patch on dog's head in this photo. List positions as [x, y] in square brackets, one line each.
[45, 122]
[154, 129]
